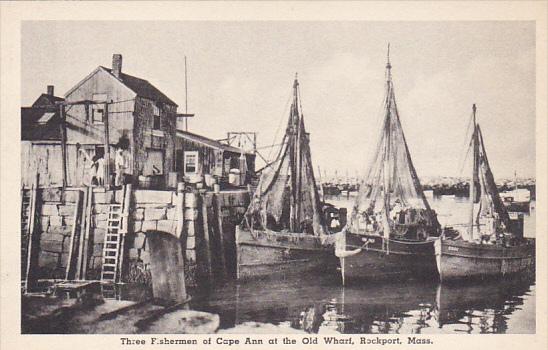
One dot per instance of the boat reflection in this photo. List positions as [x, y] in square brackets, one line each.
[323, 306]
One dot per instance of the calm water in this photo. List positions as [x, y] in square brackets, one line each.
[321, 305]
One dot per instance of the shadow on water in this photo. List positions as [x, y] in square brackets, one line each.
[321, 305]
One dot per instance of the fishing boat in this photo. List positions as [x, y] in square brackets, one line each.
[493, 245]
[392, 229]
[284, 230]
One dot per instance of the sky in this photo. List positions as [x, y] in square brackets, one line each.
[240, 77]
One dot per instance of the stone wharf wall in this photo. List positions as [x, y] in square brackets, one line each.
[149, 210]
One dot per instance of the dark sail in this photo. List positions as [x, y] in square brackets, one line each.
[490, 202]
[286, 198]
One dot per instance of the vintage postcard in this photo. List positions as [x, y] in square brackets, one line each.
[243, 175]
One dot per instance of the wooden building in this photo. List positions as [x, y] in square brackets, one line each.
[199, 155]
[41, 141]
[131, 113]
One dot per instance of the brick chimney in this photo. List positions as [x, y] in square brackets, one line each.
[50, 90]
[117, 65]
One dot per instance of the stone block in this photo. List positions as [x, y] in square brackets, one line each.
[98, 249]
[103, 197]
[118, 196]
[171, 213]
[145, 257]
[48, 259]
[99, 235]
[51, 195]
[56, 220]
[100, 208]
[137, 226]
[149, 225]
[155, 214]
[191, 200]
[190, 228]
[191, 214]
[66, 245]
[101, 224]
[62, 230]
[101, 216]
[63, 260]
[166, 226]
[139, 241]
[149, 196]
[72, 196]
[52, 236]
[66, 210]
[139, 214]
[49, 209]
[191, 256]
[191, 242]
[133, 253]
[44, 223]
[51, 246]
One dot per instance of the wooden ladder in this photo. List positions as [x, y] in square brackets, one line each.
[113, 246]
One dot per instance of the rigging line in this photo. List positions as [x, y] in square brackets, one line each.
[279, 124]
[464, 154]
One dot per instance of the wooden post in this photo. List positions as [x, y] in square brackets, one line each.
[63, 130]
[73, 235]
[80, 257]
[107, 147]
[180, 207]
[206, 235]
[86, 232]
[218, 215]
[29, 275]
[126, 202]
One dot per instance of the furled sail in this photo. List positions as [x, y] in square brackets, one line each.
[287, 198]
[490, 214]
[391, 186]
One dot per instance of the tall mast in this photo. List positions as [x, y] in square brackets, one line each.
[474, 169]
[387, 126]
[294, 158]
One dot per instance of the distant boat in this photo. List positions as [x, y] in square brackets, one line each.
[284, 229]
[392, 229]
[517, 200]
[494, 244]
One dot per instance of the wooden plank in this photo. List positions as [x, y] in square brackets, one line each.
[81, 229]
[73, 235]
[29, 275]
[107, 147]
[86, 232]
[207, 247]
[218, 215]
[63, 130]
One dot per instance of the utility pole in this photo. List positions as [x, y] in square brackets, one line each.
[186, 98]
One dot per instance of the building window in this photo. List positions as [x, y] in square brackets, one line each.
[98, 110]
[191, 162]
[156, 115]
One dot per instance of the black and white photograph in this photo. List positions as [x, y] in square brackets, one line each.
[332, 180]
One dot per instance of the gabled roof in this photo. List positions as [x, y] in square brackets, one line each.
[142, 87]
[46, 100]
[210, 142]
[40, 124]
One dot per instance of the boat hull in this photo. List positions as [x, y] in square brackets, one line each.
[262, 254]
[402, 260]
[459, 259]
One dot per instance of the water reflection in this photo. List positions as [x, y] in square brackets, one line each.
[323, 306]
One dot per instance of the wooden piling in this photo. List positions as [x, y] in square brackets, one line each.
[29, 273]
[86, 232]
[218, 215]
[73, 235]
[81, 242]
[207, 245]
